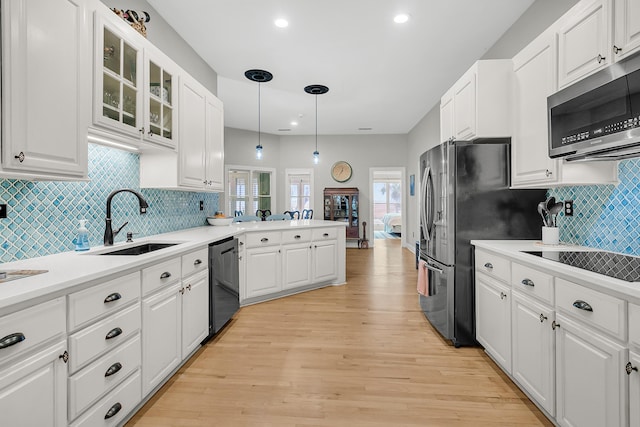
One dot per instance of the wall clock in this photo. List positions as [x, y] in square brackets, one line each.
[341, 171]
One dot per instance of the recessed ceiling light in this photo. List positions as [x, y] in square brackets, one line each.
[401, 18]
[294, 123]
[281, 23]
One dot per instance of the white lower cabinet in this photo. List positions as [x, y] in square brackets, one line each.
[634, 388]
[264, 267]
[493, 319]
[591, 380]
[195, 311]
[296, 267]
[33, 391]
[533, 348]
[324, 260]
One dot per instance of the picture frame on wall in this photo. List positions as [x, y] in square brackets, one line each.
[412, 185]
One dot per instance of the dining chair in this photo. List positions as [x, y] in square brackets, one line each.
[307, 214]
[263, 213]
[246, 218]
[278, 217]
[238, 213]
[293, 214]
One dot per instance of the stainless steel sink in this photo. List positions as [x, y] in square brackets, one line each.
[139, 249]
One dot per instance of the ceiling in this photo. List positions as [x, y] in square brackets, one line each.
[383, 77]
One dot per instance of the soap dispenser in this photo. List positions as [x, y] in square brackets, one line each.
[82, 239]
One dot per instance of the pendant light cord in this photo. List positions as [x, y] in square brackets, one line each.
[316, 122]
[259, 144]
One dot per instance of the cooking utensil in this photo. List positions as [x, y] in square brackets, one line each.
[553, 212]
[549, 203]
[542, 210]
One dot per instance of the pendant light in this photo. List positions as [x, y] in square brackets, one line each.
[316, 90]
[260, 76]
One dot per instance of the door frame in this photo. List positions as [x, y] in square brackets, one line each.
[403, 198]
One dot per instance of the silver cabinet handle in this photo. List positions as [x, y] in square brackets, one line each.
[554, 325]
[113, 369]
[325, 235]
[630, 368]
[582, 305]
[113, 410]
[600, 59]
[64, 356]
[528, 282]
[113, 333]
[297, 236]
[503, 295]
[112, 297]
[165, 275]
[616, 49]
[488, 265]
[548, 173]
[264, 239]
[12, 339]
[542, 318]
[189, 286]
[197, 262]
[20, 157]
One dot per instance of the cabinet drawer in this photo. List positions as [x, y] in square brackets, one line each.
[195, 261]
[86, 386]
[296, 236]
[634, 325]
[266, 238]
[599, 310]
[102, 299]
[493, 265]
[532, 282]
[37, 324]
[160, 275]
[324, 233]
[87, 343]
[120, 402]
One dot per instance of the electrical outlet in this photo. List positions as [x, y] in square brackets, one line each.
[3, 210]
[568, 208]
[201, 205]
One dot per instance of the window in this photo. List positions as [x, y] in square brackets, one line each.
[249, 190]
[387, 199]
[299, 189]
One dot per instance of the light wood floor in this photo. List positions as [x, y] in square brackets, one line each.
[362, 354]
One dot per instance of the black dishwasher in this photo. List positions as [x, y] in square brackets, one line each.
[224, 286]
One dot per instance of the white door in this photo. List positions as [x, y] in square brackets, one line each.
[534, 80]
[493, 319]
[214, 150]
[584, 43]
[627, 28]
[161, 331]
[160, 99]
[263, 271]
[33, 391]
[325, 261]
[195, 311]
[533, 348]
[192, 134]
[446, 117]
[634, 388]
[46, 91]
[296, 265]
[464, 107]
[591, 381]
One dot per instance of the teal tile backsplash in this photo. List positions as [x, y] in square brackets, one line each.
[606, 216]
[43, 216]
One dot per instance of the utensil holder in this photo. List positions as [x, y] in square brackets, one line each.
[550, 235]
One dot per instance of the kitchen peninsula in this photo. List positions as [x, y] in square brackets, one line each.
[84, 333]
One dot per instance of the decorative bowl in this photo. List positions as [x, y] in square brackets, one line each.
[219, 221]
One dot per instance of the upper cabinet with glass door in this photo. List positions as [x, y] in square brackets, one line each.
[160, 99]
[118, 78]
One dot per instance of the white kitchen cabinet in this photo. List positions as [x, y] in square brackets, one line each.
[296, 265]
[533, 348]
[263, 270]
[535, 71]
[627, 28]
[191, 168]
[46, 89]
[161, 340]
[324, 260]
[493, 319]
[584, 41]
[631, 369]
[446, 116]
[195, 311]
[33, 391]
[478, 104]
[214, 145]
[591, 381]
[160, 98]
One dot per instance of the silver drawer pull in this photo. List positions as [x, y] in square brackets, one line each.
[297, 236]
[554, 325]
[113, 410]
[543, 317]
[197, 262]
[264, 239]
[113, 333]
[629, 368]
[582, 305]
[488, 265]
[325, 235]
[112, 297]
[528, 282]
[503, 295]
[165, 275]
[113, 369]
[12, 339]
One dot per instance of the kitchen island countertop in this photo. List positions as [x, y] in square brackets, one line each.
[70, 271]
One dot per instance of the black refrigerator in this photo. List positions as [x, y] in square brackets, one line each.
[465, 195]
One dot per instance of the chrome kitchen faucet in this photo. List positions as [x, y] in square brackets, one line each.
[109, 234]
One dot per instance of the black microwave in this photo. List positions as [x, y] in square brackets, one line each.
[598, 118]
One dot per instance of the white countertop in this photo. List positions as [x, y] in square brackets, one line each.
[68, 271]
[515, 250]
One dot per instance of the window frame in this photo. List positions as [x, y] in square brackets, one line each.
[250, 199]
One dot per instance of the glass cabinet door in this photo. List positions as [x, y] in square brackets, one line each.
[160, 104]
[119, 82]
[354, 210]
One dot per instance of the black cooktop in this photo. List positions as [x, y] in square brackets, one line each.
[624, 267]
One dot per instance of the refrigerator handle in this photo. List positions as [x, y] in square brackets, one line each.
[423, 204]
[433, 268]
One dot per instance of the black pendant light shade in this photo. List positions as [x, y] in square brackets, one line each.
[259, 76]
[316, 90]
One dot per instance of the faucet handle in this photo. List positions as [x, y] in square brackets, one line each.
[130, 236]
[121, 227]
